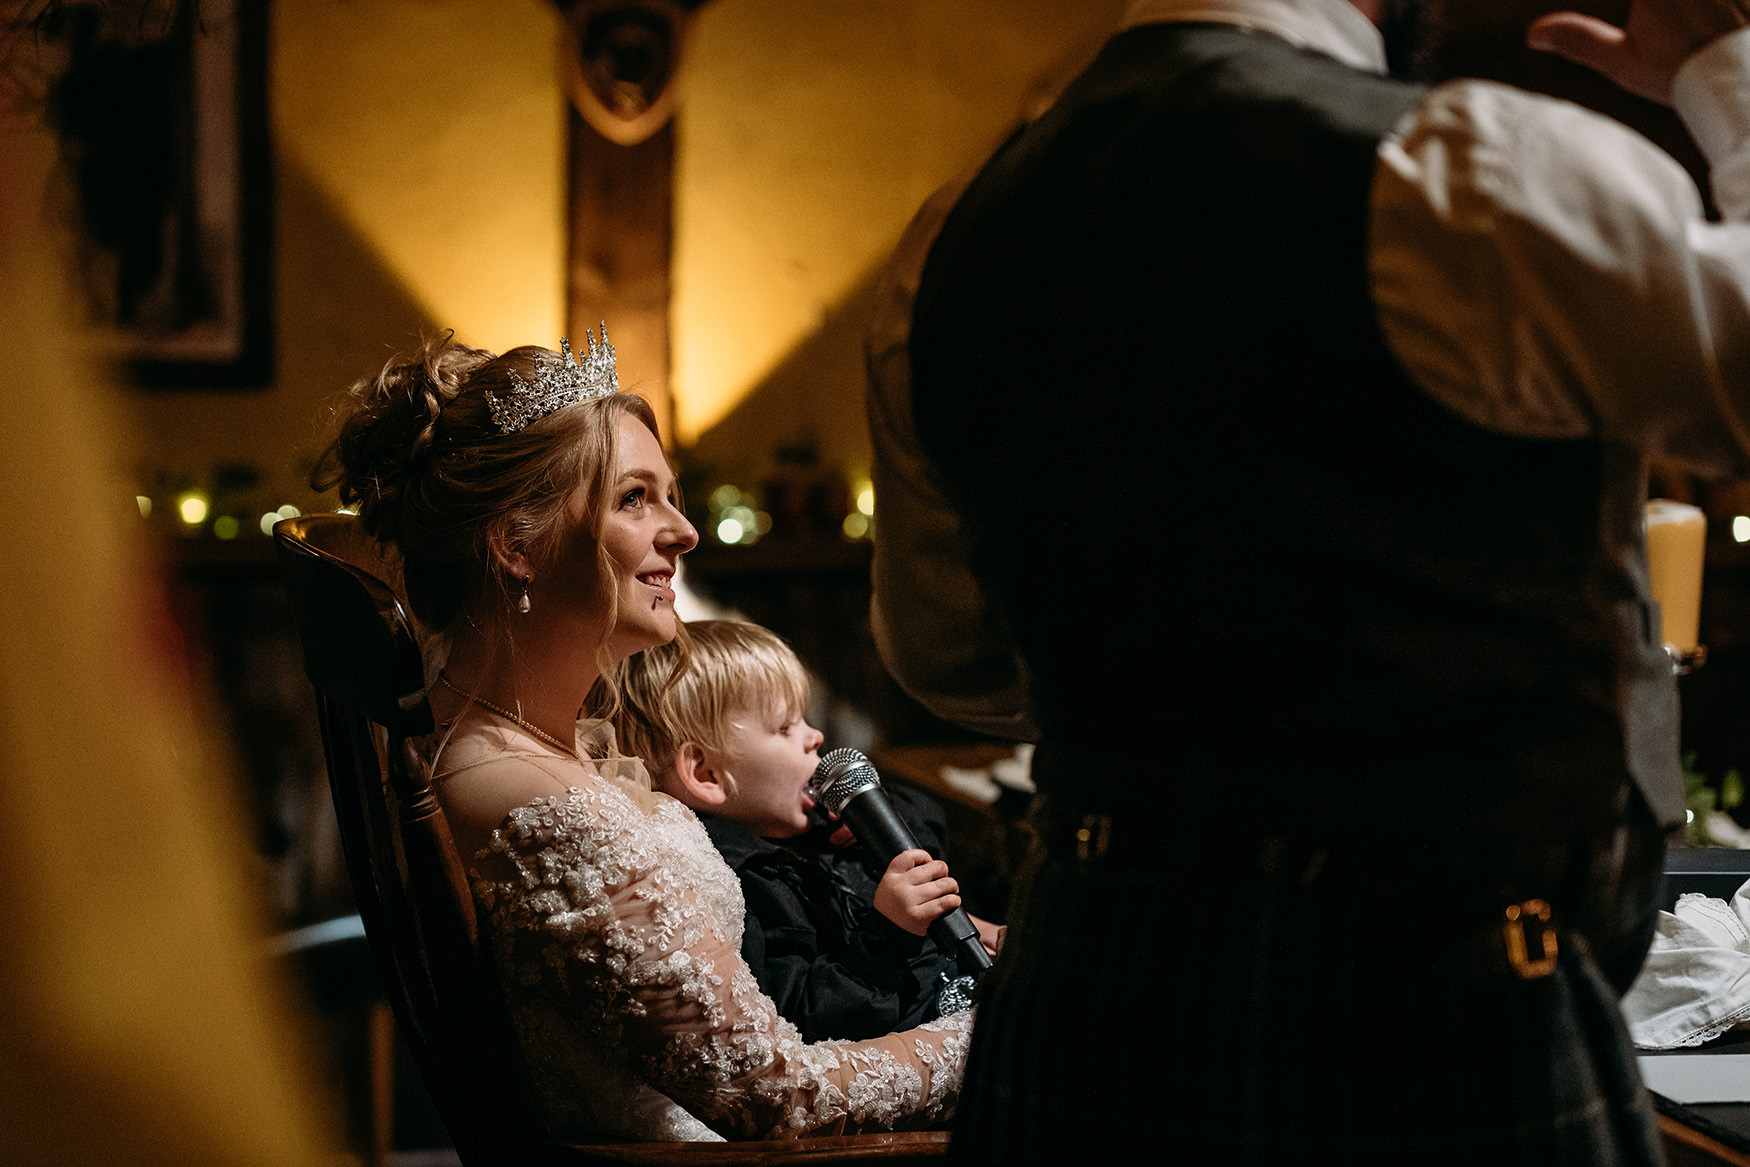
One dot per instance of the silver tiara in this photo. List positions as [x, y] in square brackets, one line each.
[563, 381]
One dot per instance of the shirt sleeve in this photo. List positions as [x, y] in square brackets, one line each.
[932, 623]
[1545, 271]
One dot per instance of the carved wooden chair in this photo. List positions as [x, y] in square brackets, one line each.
[361, 656]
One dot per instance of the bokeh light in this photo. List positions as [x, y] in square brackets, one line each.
[271, 517]
[735, 516]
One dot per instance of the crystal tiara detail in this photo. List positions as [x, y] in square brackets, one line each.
[563, 381]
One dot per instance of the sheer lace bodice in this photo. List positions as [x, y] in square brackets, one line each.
[616, 927]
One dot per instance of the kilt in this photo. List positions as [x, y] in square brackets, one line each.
[1259, 1012]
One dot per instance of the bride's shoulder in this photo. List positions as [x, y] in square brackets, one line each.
[488, 780]
[483, 777]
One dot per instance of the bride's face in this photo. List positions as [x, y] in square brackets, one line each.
[644, 535]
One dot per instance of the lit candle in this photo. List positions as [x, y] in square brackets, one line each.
[1676, 541]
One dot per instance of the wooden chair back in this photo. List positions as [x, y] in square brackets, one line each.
[361, 655]
[412, 893]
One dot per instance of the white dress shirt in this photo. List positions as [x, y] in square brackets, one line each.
[1543, 270]
[1537, 268]
[1335, 28]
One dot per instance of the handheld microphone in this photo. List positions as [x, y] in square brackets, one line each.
[847, 785]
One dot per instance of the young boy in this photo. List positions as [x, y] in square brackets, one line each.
[842, 954]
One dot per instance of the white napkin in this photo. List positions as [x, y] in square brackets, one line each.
[1695, 984]
[986, 784]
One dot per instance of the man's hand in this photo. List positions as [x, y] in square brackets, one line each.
[1643, 55]
[915, 890]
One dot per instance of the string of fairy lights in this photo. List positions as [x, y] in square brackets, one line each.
[736, 517]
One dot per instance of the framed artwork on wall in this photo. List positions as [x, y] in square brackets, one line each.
[164, 132]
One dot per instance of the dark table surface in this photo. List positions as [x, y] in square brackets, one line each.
[1729, 1122]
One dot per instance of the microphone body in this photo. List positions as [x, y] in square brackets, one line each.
[847, 785]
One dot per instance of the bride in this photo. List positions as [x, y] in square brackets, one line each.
[536, 523]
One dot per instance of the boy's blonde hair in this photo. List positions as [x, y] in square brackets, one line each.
[665, 697]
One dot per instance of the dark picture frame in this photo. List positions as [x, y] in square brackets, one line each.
[166, 142]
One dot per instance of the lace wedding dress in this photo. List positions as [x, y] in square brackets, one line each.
[616, 928]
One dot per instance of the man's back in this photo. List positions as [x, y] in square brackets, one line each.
[1146, 358]
[1331, 681]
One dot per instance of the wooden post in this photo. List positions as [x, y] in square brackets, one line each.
[621, 203]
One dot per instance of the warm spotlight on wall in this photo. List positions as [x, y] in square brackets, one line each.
[621, 60]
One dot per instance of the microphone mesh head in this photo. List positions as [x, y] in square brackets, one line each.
[842, 774]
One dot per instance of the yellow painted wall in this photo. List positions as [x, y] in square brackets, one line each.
[419, 183]
[811, 133]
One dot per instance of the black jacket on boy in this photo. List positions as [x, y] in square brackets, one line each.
[833, 965]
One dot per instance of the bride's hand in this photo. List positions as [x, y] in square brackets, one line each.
[672, 1012]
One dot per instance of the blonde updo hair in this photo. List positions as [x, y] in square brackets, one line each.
[431, 476]
[686, 691]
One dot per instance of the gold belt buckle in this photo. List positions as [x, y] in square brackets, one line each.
[1522, 918]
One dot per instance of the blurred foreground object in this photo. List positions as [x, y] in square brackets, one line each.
[138, 1024]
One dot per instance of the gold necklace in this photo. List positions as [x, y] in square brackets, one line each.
[508, 716]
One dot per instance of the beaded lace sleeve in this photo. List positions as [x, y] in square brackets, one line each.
[609, 910]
